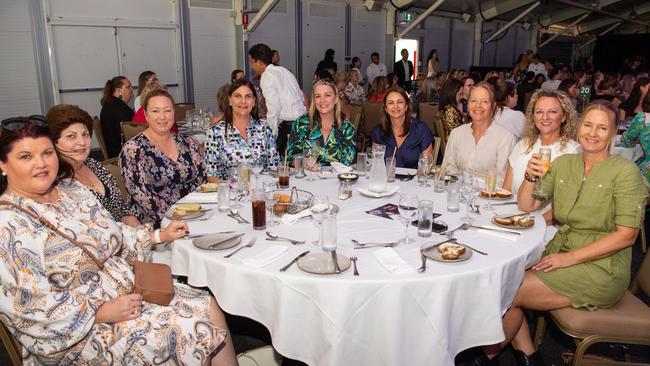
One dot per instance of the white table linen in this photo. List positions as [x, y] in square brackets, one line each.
[377, 318]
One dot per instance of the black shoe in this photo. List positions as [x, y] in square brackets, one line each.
[473, 357]
[534, 359]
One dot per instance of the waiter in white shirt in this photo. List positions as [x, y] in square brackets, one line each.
[284, 98]
[537, 66]
[375, 69]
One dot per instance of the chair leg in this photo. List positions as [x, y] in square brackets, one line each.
[539, 331]
[644, 244]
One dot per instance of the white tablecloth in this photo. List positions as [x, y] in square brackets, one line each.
[377, 318]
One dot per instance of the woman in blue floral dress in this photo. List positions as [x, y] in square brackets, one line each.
[240, 135]
[639, 133]
[323, 124]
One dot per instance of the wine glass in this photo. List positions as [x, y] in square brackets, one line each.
[257, 165]
[320, 204]
[408, 208]
[490, 185]
[545, 158]
[467, 192]
[272, 197]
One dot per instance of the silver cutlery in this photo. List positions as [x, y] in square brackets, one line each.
[475, 208]
[235, 213]
[250, 244]
[434, 246]
[494, 229]
[239, 221]
[283, 269]
[192, 236]
[360, 245]
[504, 203]
[474, 249]
[354, 263]
[277, 237]
[513, 215]
[450, 232]
[225, 240]
[423, 268]
[335, 259]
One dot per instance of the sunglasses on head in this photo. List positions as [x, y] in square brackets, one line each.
[16, 123]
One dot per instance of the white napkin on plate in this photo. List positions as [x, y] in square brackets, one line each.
[390, 190]
[200, 197]
[393, 263]
[340, 168]
[498, 234]
[267, 256]
[289, 219]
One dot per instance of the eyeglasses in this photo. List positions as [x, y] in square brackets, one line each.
[16, 123]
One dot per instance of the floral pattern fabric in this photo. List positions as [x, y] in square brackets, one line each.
[339, 147]
[52, 289]
[155, 181]
[639, 133]
[224, 149]
[112, 199]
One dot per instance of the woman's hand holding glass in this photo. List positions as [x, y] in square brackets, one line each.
[173, 231]
[125, 307]
[535, 167]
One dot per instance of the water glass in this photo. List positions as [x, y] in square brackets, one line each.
[258, 205]
[298, 160]
[453, 196]
[438, 179]
[283, 174]
[424, 166]
[271, 199]
[467, 193]
[390, 169]
[425, 217]
[361, 163]
[328, 231]
[257, 165]
[223, 199]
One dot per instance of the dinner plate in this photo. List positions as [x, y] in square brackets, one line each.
[211, 241]
[187, 216]
[322, 264]
[437, 256]
[513, 227]
[327, 174]
[390, 190]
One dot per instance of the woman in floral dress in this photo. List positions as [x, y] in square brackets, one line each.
[639, 133]
[240, 135]
[159, 167]
[58, 302]
[323, 124]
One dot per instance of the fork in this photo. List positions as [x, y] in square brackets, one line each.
[277, 237]
[423, 268]
[250, 244]
[450, 232]
[354, 262]
[359, 245]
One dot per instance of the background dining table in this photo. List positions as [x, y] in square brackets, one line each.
[378, 317]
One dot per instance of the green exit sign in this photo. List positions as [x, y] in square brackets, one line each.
[409, 16]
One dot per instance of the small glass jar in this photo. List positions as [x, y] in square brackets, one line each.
[345, 190]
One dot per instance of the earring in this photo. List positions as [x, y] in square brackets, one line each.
[4, 174]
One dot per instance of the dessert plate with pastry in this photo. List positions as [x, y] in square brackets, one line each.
[499, 194]
[186, 211]
[518, 221]
[449, 252]
[207, 188]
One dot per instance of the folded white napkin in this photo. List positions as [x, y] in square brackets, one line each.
[499, 234]
[340, 168]
[390, 190]
[289, 219]
[200, 197]
[393, 263]
[267, 256]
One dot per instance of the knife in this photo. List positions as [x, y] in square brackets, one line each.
[434, 246]
[336, 262]
[225, 240]
[505, 203]
[283, 269]
[192, 236]
[495, 229]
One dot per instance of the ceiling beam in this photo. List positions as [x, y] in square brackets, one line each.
[566, 14]
[266, 8]
[513, 21]
[601, 34]
[420, 18]
[496, 8]
[604, 22]
[569, 27]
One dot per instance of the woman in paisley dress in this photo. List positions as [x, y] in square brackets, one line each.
[639, 133]
[240, 135]
[159, 167]
[326, 125]
[71, 128]
[58, 303]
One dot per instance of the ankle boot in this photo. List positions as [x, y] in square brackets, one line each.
[534, 359]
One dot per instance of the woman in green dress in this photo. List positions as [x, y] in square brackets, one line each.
[599, 199]
[324, 125]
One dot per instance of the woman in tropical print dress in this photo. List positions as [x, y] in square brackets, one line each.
[324, 125]
[639, 133]
[58, 302]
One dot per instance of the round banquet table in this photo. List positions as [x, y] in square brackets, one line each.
[379, 317]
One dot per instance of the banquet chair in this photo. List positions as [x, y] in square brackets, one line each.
[130, 130]
[440, 131]
[97, 129]
[113, 167]
[373, 114]
[437, 141]
[180, 109]
[627, 322]
[262, 356]
[428, 115]
[11, 345]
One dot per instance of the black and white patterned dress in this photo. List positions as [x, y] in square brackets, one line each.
[112, 199]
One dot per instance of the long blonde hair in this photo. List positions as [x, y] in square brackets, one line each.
[313, 113]
[568, 127]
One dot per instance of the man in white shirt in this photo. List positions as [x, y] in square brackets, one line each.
[284, 98]
[553, 83]
[537, 66]
[375, 69]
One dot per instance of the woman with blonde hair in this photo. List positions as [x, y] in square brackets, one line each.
[550, 123]
[324, 125]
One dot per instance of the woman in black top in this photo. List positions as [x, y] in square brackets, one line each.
[115, 110]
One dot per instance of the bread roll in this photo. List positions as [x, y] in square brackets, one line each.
[504, 221]
[188, 207]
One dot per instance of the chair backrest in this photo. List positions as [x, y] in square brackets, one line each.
[97, 130]
[262, 356]
[130, 130]
[114, 168]
[180, 109]
[12, 346]
[440, 130]
[642, 279]
[373, 114]
[437, 141]
[355, 115]
[428, 115]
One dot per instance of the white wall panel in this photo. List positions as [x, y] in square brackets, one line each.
[436, 37]
[278, 31]
[488, 50]
[505, 48]
[213, 52]
[150, 49]
[368, 30]
[462, 44]
[122, 9]
[19, 94]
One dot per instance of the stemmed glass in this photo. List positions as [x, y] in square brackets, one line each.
[257, 165]
[490, 185]
[408, 208]
[467, 191]
[272, 198]
[235, 187]
[320, 204]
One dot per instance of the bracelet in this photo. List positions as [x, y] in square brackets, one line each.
[529, 178]
[156, 236]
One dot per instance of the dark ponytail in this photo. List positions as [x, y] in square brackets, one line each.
[109, 88]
